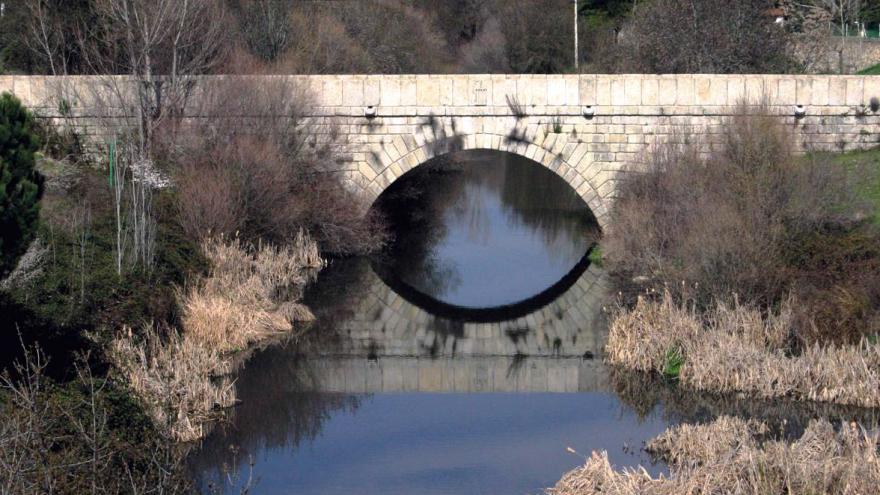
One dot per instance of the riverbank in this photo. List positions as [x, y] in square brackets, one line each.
[738, 349]
[250, 296]
[126, 317]
[730, 455]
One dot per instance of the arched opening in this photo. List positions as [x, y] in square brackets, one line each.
[484, 235]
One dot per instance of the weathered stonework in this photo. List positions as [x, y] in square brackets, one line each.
[606, 121]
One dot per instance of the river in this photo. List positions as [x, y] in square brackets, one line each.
[464, 358]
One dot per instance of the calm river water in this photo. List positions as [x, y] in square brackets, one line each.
[466, 358]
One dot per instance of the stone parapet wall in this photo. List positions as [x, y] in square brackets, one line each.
[482, 95]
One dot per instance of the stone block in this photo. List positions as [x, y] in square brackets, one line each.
[804, 91]
[372, 91]
[353, 91]
[6, 84]
[603, 90]
[650, 91]
[820, 91]
[502, 88]
[871, 89]
[618, 91]
[461, 91]
[836, 91]
[855, 90]
[702, 90]
[532, 90]
[408, 94]
[786, 92]
[444, 84]
[390, 91]
[572, 90]
[332, 93]
[718, 91]
[556, 90]
[666, 90]
[480, 90]
[587, 89]
[736, 90]
[754, 89]
[367, 171]
[427, 92]
[401, 146]
[685, 90]
[633, 90]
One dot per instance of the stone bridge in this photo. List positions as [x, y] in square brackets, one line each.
[586, 128]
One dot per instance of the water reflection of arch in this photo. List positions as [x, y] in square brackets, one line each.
[452, 312]
[383, 323]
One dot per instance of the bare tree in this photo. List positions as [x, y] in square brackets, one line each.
[50, 31]
[702, 36]
[266, 29]
[133, 183]
[842, 13]
[65, 442]
[162, 45]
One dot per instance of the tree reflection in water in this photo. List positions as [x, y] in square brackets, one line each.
[483, 216]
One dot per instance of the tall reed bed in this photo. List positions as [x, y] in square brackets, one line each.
[731, 455]
[249, 295]
[737, 348]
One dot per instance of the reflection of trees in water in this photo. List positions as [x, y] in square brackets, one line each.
[415, 205]
[643, 392]
[277, 411]
[531, 194]
[542, 200]
[333, 298]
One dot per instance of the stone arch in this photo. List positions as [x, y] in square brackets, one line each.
[572, 162]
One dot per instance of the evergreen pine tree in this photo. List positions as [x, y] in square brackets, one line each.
[21, 186]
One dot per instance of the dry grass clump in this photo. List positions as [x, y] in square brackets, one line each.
[738, 349]
[249, 296]
[176, 377]
[249, 293]
[734, 456]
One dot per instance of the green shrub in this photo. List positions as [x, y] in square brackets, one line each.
[674, 360]
[21, 186]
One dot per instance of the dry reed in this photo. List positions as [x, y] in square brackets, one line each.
[248, 296]
[734, 456]
[738, 349]
[250, 293]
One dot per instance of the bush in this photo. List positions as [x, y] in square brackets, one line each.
[85, 436]
[266, 181]
[750, 218]
[21, 186]
[709, 36]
